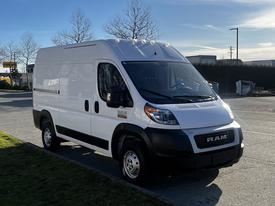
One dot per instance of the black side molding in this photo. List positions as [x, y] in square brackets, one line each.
[104, 144]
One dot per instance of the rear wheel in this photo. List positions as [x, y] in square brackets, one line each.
[50, 140]
[134, 162]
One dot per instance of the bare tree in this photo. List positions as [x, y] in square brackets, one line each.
[80, 31]
[10, 52]
[136, 23]
[27, 49]
[2, 54]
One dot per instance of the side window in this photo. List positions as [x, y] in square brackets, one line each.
[108, 77]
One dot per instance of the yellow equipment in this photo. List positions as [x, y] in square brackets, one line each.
[6, 79]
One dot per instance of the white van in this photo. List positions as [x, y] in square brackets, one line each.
[141, 103]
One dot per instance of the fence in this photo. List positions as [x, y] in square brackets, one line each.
[227, 75]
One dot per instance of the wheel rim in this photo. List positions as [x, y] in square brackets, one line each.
[131, 164]
[47, 137]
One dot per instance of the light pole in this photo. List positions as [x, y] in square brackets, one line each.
[237, 43]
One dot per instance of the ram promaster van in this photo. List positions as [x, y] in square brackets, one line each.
[141, 103]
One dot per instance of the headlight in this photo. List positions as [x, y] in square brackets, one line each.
[228, 110]
[161, 116]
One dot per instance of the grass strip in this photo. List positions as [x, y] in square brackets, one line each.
[32, 177]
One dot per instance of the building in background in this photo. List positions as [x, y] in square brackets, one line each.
[26, 78]
[267, 63]
[202, 59]
[29, 75]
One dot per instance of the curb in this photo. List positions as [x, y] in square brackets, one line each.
[99, 172]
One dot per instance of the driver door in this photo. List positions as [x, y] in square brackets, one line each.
[105, 119]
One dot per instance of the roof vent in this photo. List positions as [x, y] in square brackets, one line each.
[166, 44]
[143, 41]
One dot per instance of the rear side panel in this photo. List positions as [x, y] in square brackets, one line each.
[75, 88]
[46, 86]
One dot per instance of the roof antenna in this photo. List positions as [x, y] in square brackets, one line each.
[155, 53]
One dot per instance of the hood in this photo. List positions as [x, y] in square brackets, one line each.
[203, 114]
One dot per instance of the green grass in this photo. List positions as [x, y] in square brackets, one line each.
[29, 176]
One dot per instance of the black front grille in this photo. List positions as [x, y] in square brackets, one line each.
[214, 139]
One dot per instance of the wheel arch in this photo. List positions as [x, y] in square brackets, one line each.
[124, 130]
[45, 114]
[39, 116]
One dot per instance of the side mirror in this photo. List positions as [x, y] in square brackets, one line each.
[115, 98]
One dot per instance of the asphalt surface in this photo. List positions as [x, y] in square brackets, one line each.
[250, 182]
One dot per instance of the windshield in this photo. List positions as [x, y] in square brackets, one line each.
[169, 82]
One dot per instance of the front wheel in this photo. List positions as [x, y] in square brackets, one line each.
[133, 162]
[50, 140]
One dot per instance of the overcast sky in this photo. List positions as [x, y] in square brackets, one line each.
[192, 26]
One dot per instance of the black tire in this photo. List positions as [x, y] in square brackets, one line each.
[136, 148]
[47, 129]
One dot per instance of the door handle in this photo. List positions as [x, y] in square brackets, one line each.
[96, 107]
[86, 105]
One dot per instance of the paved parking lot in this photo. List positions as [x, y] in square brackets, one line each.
[250, 182]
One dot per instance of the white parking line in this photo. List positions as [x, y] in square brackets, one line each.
[264, 133]
[254, 112]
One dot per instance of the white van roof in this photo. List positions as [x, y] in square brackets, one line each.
[122, 50]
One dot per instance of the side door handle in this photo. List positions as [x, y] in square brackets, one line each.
[96, 107]
[86, 105]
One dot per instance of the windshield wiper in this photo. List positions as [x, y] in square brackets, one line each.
[156, 93]
[204, 97]
[181, 99]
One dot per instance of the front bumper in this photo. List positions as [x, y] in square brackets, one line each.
[215, 159]
[173, 148]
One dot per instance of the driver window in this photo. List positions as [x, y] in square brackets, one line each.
[109, 77]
